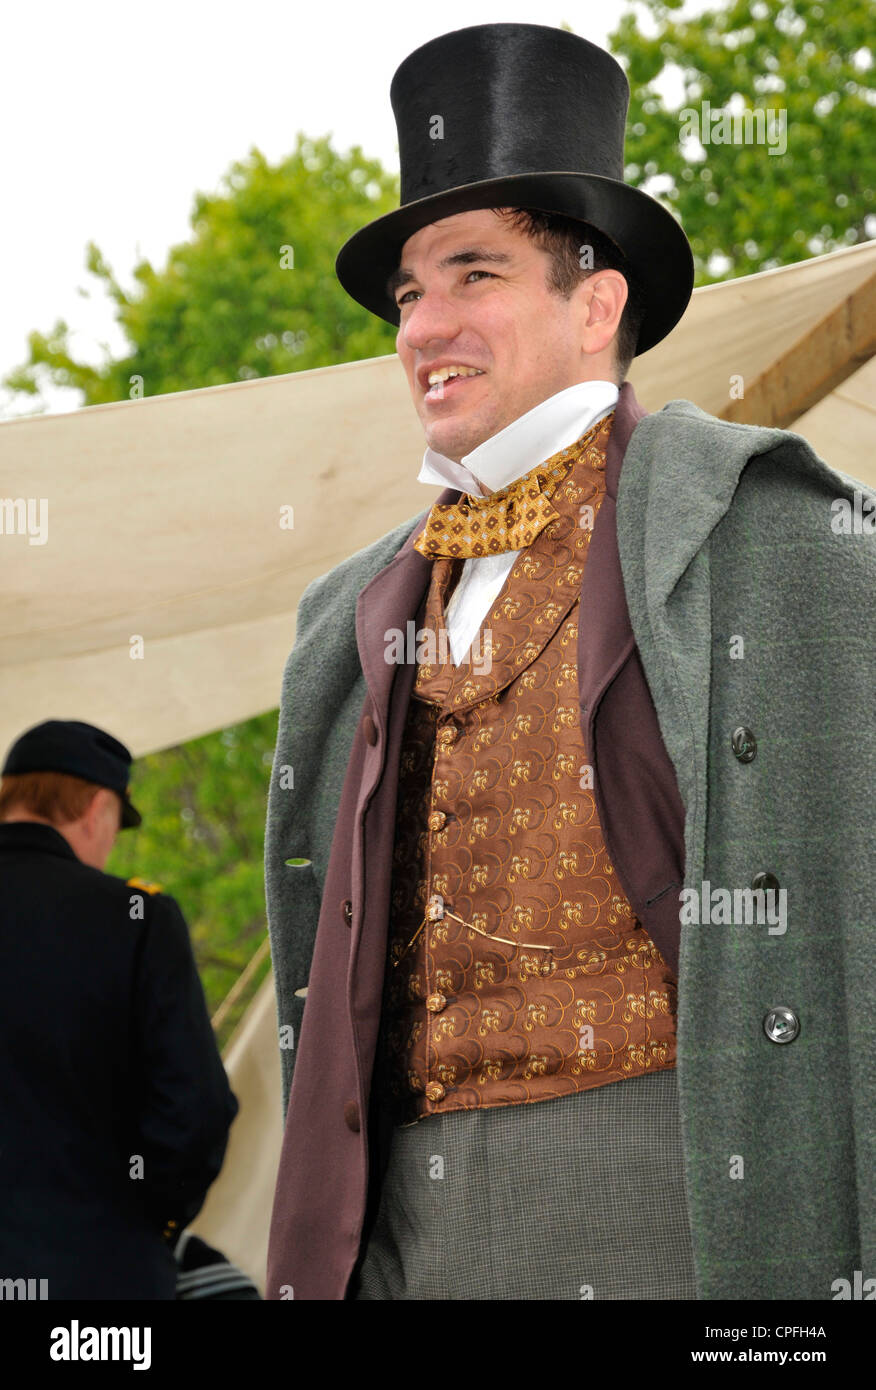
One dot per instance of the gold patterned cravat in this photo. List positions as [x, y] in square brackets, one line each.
[509, 519]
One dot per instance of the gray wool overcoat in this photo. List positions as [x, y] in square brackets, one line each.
[751, 607]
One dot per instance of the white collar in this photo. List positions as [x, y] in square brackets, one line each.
[532, 438]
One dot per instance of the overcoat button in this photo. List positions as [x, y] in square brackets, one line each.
[744, 744]
[347, 909]
[436, 820]
[765, 881]
[369, 729]
[435, 1003]
[351, 1116]
[435, 1091]
[781, 1024]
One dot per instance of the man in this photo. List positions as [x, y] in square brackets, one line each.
[116, 1107]
[530, 1066]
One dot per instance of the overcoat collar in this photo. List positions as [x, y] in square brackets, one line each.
[25, 836]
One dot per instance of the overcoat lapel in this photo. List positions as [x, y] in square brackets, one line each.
[605, 637]
[637, 796]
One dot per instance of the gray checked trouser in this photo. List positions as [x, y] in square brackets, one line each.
[574, 1198]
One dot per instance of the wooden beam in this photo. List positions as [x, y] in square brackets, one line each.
[831, 351]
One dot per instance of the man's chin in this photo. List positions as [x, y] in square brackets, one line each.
[452, 441]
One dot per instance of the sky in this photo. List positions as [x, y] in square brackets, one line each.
[114, 116]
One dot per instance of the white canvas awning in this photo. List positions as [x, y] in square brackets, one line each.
[236, 1216]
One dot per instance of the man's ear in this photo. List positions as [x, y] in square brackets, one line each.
[608, 296]
[604, 294]
[96, 809]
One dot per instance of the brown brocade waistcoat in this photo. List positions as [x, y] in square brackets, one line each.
[497, 826]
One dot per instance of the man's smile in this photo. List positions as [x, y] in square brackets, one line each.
[450, 381]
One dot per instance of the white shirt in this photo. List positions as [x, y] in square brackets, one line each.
[531, 439]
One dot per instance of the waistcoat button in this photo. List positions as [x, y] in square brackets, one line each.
[435, 1091]
[436, 820]
[369, 729]
[446, 737]
[781, 1024]
[351, 1116]
[744, 744]
[765, 881]
[435, 1003]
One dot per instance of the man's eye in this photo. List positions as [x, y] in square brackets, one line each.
[488, 273]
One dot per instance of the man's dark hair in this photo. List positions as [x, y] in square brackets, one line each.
[564, 238]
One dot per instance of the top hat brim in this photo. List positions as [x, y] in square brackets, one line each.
[650, 238]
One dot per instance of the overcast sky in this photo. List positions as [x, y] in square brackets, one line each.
[113, 115]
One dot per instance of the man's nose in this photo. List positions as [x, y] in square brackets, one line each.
[429, 317]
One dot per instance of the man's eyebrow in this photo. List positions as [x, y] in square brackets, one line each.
[467, 257]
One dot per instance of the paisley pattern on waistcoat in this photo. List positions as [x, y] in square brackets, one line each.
[517, 969]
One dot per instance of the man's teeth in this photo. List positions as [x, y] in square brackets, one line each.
[442, 373]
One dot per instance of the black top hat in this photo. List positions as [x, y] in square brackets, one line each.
[532, 117]
[80, 750]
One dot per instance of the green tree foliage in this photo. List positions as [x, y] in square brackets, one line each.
[252, 293]
[743, 208]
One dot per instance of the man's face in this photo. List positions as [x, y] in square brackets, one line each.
[477, 296]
